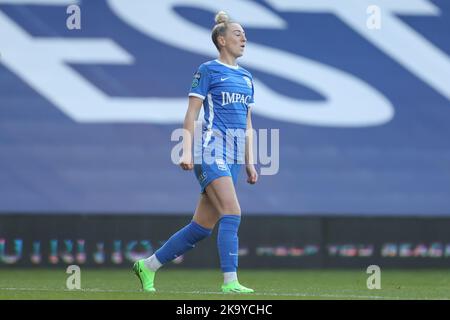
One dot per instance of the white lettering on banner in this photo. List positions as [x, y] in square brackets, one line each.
[363, 107]
[396, 38]
[47, 72]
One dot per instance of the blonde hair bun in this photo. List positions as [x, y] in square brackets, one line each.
[222, 17]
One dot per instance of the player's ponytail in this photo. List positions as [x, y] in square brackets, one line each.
[222, 20]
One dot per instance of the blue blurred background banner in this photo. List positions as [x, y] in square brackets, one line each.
[363, 109]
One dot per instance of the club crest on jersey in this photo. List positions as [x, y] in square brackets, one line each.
[221, 164]
[196, 79]
[249, 82]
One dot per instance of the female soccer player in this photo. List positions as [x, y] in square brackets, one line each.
[225, 90]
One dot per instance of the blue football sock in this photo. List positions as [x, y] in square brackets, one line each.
[228, 242]
[182, 241]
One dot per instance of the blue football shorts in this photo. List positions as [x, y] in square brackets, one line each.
[206, 173]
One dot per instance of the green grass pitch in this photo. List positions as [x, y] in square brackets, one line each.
[173, 284]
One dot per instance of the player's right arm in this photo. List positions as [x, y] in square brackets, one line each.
[197, 93]
[192, 112]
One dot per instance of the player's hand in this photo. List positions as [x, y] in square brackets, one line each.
[186, 162]
[251, 173]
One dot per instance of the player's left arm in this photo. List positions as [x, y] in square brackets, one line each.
[252, 175]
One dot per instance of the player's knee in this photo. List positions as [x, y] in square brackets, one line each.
[210, 224]
[231, 208]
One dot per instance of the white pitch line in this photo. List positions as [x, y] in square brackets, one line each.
[278, 294]
[290, 295]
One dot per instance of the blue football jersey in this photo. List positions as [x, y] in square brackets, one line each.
[227, 93]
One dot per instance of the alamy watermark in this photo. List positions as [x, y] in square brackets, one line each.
[73, 281]
[373, 22]
[74, 20]
[215, 146]
[374, 281]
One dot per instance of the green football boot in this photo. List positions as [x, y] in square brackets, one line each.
[145, 275]
[235, 287]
